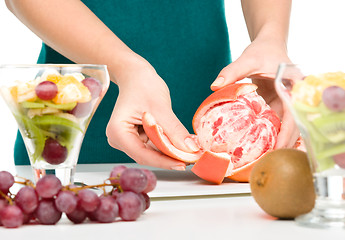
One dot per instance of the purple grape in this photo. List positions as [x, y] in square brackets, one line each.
[107, 210]
[334, 98]
[116, 173]
[46, 90]
[88, 200]
[66, 201]
[3, 204]
[77, 216]
[147, 200]
[81, 109]
[47, 213]
[130, 206]
[27, 199]
[94, 86]
[53, 152]
[12, 216]
[115, 194]
[339, 159]
[48, 186]
[133, 179]
[6, 181]
[151, 180]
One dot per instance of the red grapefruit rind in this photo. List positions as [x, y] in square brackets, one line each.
[162, 142]
[211, 167]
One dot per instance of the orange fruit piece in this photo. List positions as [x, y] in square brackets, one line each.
[71, 90]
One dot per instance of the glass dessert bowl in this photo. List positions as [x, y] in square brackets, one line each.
[316, 98]
[53, 106]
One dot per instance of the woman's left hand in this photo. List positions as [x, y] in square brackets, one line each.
[260, 61]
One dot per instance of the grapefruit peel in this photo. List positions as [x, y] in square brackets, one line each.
[208, 165]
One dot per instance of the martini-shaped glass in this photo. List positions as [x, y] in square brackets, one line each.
[316, 98]
[53, 106]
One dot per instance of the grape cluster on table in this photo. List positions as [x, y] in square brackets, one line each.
[124, 198]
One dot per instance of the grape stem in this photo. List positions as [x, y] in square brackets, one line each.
[8, 198]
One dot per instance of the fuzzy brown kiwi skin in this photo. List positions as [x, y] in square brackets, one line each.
[282, 184]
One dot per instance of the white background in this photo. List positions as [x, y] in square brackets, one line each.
[316, 35]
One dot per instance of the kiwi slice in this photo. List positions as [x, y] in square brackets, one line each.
[312, 130]
[331, 151]
[64, 106]
[51, 120]
[301, 107]
[331, 126]
[32, 104]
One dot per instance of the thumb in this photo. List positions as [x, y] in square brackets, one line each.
[235, 71]
[177, 133]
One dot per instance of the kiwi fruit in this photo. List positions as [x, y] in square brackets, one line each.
[331, 126]
[281, 183]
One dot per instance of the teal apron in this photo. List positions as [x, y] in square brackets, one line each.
[186, 41]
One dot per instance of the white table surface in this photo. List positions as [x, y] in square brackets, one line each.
[182, 207]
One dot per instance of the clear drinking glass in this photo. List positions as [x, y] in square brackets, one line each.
[316, 98]
[53, 105]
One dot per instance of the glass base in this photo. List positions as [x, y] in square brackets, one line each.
[329, 210]
[323, 219]
[66, 175]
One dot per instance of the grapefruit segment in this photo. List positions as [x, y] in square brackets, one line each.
[162, 142]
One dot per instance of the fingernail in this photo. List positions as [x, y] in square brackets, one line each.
[191, 144]
[218, 82]
[179, 168]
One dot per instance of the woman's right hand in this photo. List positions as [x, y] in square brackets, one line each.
[141, 90]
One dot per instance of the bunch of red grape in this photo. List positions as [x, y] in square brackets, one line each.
[124, 196]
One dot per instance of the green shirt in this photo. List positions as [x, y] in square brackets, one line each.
[186, 42]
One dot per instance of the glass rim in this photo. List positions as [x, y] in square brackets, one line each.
[53, 65]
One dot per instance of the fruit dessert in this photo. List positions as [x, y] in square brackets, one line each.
[319, 102]
[52, 111]
[234, 127]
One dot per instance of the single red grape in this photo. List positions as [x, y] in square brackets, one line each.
[88, 200]
[130, 206]
[66, 201]
[48, 186]
[47, 213]
[133, 179]
[334, 98]
[53, 152]
[12, 216]
[46, 90]
[27, 199]
[6, 181]
[151, 180]
[94, 86]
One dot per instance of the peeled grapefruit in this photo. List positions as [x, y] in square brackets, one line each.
[234, 127]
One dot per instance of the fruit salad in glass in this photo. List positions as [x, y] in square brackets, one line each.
[319, 101]
[316, 98]
[53, 105]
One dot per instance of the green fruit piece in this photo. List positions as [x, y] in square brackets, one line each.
[331, 151]
[324, 164]
[52, 120]
[34, 133]
[324, 110]
[312, 130]
[65, 106]
[32, 104]
[331, 126]
[301, 107]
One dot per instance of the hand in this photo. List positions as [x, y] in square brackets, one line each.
[260, 61]
[142, 90]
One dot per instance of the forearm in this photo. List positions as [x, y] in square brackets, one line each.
[267, 18]
[70, 28]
